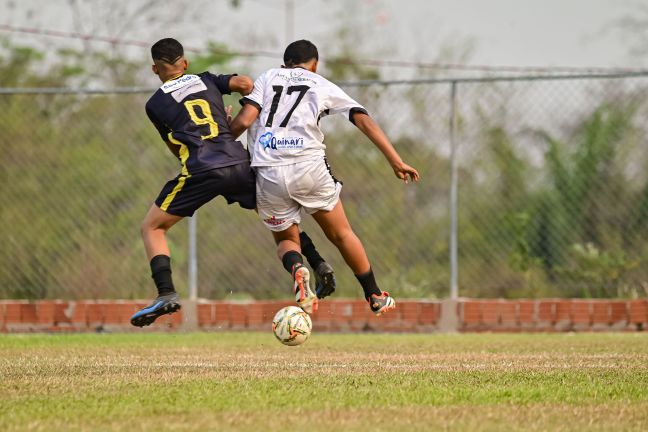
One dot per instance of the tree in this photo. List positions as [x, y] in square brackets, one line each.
[582, 218]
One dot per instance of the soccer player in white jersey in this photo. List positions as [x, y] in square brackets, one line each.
[288, 153]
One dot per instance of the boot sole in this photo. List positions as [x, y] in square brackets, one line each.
[149, 318]
[308, 304]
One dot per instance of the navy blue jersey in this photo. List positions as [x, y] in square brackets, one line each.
[188, 111]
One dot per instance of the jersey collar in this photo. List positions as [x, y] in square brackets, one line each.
[174, 78]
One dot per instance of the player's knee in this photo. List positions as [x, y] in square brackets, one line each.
[338, 237]
[150, 225]
[145, 228]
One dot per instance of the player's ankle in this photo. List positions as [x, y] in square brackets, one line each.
[290, 259]
[368, 282]
[161, 274]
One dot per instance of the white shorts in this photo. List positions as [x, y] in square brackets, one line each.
[282, 191]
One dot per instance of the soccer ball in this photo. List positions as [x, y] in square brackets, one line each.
[291, 325]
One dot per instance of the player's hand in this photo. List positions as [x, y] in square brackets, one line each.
[228, 114]
[405, 172]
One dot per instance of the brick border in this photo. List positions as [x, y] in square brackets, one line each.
[496, 315]
[553, 315]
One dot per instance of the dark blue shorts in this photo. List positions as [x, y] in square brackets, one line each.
[183, 195]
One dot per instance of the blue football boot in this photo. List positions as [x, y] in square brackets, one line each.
[164, 304]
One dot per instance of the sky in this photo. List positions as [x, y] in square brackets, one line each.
[540, 33]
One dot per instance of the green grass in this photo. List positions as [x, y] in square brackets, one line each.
[248, 381]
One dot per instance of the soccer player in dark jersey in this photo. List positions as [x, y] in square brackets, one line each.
[188, 112]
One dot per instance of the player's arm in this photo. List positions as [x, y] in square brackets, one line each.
[371, 129]
[251, 108]
[337, 101]
[163, 131]
[244, 119]
[174, 148]
[229, 83]
[241, 84]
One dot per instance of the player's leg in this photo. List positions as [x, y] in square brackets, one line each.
[244, 193]
[154, 228]
[289, 252]
[338, 230]
[314, 187]
[324, 274]
[282, 215]
[179, 198]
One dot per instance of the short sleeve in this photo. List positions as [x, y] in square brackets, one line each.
[256, 96]
[221, 82]
[161, 128]
[338, 102]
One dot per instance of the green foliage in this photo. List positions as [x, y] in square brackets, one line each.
[600, 274]
[216, 55]
[20, 65]
[569, 228]
[638, 229]
[343, 66]
[79, 172]
[511, 168]
[341, 61]
[583, 207]
[520, 258]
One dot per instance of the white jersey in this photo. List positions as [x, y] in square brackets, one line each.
[291, 104]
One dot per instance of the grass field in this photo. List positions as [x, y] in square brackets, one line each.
[248, 381]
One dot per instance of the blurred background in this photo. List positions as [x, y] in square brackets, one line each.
[526, 122]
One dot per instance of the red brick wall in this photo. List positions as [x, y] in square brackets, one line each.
[553, 315]
[337, 315]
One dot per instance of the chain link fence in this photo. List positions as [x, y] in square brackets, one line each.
[530, 188]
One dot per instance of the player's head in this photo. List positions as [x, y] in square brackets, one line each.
[168, 58]
[301, 53]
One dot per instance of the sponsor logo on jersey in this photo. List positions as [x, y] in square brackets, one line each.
[295, 76]
[274, 221]
[269, 141]
[194, 87]
[178, 83]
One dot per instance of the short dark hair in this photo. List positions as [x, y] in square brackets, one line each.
[167, 50]
[300, 51]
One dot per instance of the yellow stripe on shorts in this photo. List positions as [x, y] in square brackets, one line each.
[184, 173]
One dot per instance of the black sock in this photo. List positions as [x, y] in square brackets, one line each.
[161, 274]
[291, 258]
[309, 251]
[368, 282]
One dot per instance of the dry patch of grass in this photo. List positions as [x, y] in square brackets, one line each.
[248, 381]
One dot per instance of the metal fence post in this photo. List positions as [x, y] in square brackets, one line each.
[454, 289]
[193, 258]
[190, 307]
